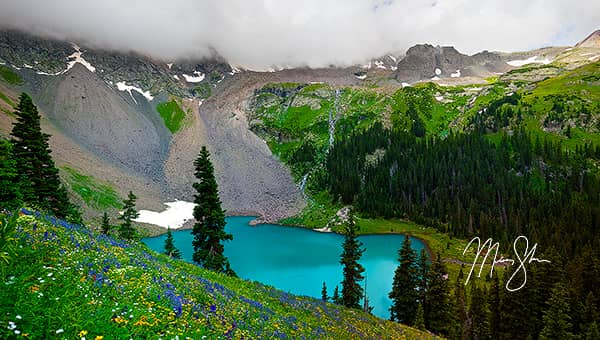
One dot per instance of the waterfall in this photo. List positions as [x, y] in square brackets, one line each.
[333, 120]
[303, 185]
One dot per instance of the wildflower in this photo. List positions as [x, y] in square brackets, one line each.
[18, 317]
[11, 325]
[82, 333]
[17, 331]
[58, 331]
[99, 337]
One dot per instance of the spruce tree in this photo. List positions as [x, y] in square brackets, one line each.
[324, 296]
[10, 196]
[495, 308]
[105, 228]
[352, 291]
[336, 295]
[438, 312]
[39, 180]
[126, 229]
[557, 321]
[420, 318]
[404, 292]
[170, 248]
[423, 282]
[478, 313]
[209, 229]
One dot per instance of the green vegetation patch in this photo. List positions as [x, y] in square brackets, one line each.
[92, 192]
[6, 99]
[172, 115]
[203, 91]
[65, 281]
[10, 76]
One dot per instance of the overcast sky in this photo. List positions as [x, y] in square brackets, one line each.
[263, 33]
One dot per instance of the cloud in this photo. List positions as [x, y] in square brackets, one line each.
[262, 33]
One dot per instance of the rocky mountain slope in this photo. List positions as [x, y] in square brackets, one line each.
[132, 122]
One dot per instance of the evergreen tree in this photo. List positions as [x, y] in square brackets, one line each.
[126, 229]
[209, 229]
[105, 224]
[557, 321]
[423, 282]
[170, 248]
[352, 292]
[460, 326]
[420, 318]
[438, 315]
[39, 180]
[478, 313]
[324, 296]
[404, 292]
[495, 308]
[336, 295]
[10, 196]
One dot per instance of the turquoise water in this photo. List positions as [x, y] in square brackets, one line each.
[299, 260]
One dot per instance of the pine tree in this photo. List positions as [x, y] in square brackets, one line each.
[170, 248]
[105, 224]
[423, 282]
[352, 292]
[39, 180]
[209, 229]
[460, 326]
[438, 315]
[10, 196]
[126, 229]
[324, 296]
[557, 321]
[478, 314]
[336, 295]
[420, 318]
[495, 308]
[404, 292]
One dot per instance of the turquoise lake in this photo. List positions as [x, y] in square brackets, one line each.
[298, 260]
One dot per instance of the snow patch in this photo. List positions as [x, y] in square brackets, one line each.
[379, 64]
[406, 85]
[532, 60]
[76, 57]
[199, 76]
[200, 102]
[393, 68]
[175, 216]
[1, 63]
[169, 65]
[176, 77]
[121, 86]
[27, 66]
[435, 78]
[234, 70]
[438, 71]
[364, 76]
[393, 58]
[455, 74]
[367, 66]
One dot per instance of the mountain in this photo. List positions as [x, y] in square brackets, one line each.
[592, 41]
[132, 122]
[428, 62]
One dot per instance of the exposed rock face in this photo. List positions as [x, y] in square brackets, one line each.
[592, 41]
[423, 62]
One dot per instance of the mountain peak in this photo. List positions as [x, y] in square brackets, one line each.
[592, 40]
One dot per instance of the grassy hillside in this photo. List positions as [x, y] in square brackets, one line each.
[64, 281]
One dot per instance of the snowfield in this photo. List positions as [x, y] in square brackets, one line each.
[121, 86]
[199, 76]
[175, 216]
[532, 60]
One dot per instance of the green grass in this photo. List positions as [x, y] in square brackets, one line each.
[6, 99]
[172, 115]
[64, 281]
[203, 91]
[95, 194]
[10, 76]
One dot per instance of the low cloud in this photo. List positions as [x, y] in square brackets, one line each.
[311, 33]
